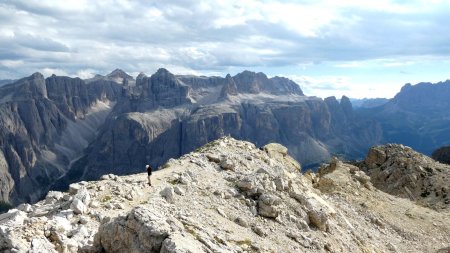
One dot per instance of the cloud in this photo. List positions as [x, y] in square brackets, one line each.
[216, 36]
[339, 86]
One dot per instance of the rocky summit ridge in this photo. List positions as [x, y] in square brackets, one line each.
[229, 196]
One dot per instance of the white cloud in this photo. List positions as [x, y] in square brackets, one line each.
[215, 36]
[339, 86]
[50, 71]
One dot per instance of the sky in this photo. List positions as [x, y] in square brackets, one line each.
[355, 48]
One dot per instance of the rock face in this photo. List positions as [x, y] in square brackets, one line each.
[442, 155]
[263, 204]
[44, 124]
[403, 172]
[66, 129]
[417, 116]
[183, 113]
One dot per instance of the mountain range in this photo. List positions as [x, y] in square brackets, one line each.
[58, 130]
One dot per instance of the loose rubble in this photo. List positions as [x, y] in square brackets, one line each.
[228, 197]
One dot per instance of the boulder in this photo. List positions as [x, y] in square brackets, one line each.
[375, 156]
[78, 207]
[178, 190]
[246, 184]
[41, 245]
[268, 205]
[227, 164]
[275, 150]
[178, 243]
[318, 210]
[169, 194]
[81, 201]
[25, 207]
[142, 230]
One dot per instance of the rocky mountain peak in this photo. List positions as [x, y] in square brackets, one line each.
[251, 82]
[141, 76]
[283, 85]
[32, 87]
[118, 73]
[163, 71]
[37, 75]
[228, 196]
[435, 102]
[346, 105]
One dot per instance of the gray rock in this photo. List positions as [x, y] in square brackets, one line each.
[246, 184]
[227, 164]
[78, 207]
[12, 218]
[142, 230]
[242, 222]
[178, 190]
[169, 194]
[41, 245]
[281, 184]
[178, 243]
[25, 207]
[259, 231]
[268, 206]
[213, 158]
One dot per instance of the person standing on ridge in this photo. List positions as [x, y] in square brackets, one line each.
[149, 173]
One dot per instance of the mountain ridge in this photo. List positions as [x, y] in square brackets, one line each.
[230, 196]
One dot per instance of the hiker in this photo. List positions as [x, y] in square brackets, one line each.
[149, 173]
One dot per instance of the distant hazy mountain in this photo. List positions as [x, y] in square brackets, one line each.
[368, 102]
[418, 116]
[64, 129]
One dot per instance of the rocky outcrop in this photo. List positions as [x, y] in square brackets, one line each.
[250, 82]
[258, 202]
[401, 171]
[117, 76]
[442, 155]
[164, 89]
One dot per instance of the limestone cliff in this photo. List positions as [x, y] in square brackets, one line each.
[60, 129]
[44, 124]
[166, 116]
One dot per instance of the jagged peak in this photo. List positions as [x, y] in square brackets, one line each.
[248, 73]
[141, 75]
[331, 99]
[37, 75]
[162, 71]
[345, 101]
[119, 73]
